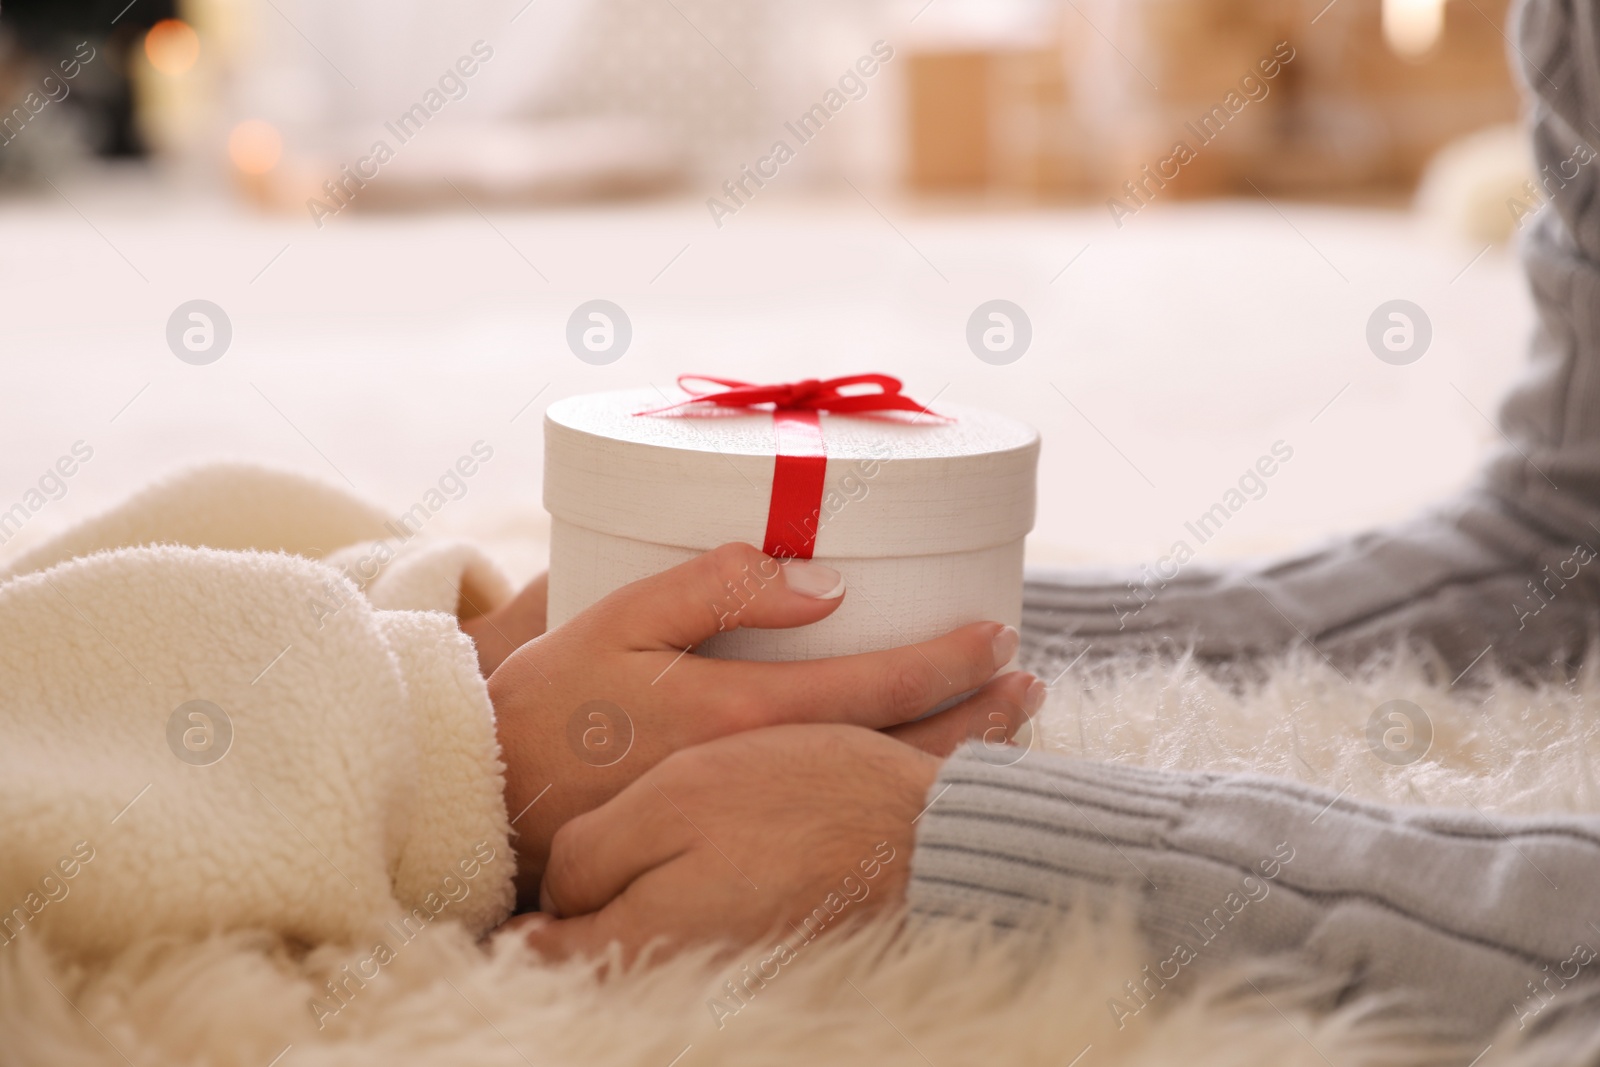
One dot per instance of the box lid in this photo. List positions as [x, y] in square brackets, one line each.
[896, 484]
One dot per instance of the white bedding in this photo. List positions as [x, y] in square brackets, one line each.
[380, 348]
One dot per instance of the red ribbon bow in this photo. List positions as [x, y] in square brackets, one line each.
[807, 395]
[800, 465]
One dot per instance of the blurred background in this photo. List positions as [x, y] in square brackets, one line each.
[1198, 204]
[1046, 100]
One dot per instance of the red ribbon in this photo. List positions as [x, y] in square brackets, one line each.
[800, 466]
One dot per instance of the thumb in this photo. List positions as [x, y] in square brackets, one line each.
[729, 587]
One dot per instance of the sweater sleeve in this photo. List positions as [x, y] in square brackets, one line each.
[191, 746]
[1482, 920]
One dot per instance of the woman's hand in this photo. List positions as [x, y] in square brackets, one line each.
[501, 632]
[587, 708]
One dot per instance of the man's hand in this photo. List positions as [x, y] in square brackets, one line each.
[587, 708]
[784, 832]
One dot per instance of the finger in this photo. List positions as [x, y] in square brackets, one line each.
[596, 856]
[994, 713]
[559, 939]
[729, 587]
[690, 901]
[872, 689]
[530, 607]
[592, 935]
[669, 907]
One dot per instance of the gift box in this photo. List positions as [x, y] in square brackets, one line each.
[923, 512]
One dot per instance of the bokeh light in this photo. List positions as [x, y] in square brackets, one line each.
[255, 146]
[1412, 27]
[172, 47]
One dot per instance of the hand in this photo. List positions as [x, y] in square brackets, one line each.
[586, 709]
[500, 632]
[782, 832]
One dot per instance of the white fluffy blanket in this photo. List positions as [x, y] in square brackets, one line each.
[938, 996]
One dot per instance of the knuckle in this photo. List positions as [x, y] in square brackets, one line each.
[977, 654]
[905, 686]
[729, 560]
[735, 573]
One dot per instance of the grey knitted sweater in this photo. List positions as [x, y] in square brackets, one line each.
[1482, 923]
[1485, 922]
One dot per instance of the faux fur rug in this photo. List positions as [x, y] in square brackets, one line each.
[941, 995]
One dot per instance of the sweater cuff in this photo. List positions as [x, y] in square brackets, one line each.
[456, 857]
[1009, 842]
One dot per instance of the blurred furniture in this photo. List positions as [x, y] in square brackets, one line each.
[993, 118]
[1106, 88]
[91, 114]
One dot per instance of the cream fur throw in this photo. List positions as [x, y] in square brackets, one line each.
[942, 996]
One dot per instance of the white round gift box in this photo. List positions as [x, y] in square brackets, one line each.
[924, 517]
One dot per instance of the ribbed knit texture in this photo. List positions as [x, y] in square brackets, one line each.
[1456, 909]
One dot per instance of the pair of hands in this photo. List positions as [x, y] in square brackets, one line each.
[653, 791]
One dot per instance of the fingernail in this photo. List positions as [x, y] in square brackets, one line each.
[1033, 699]
[810, 578]
[1005, 645]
